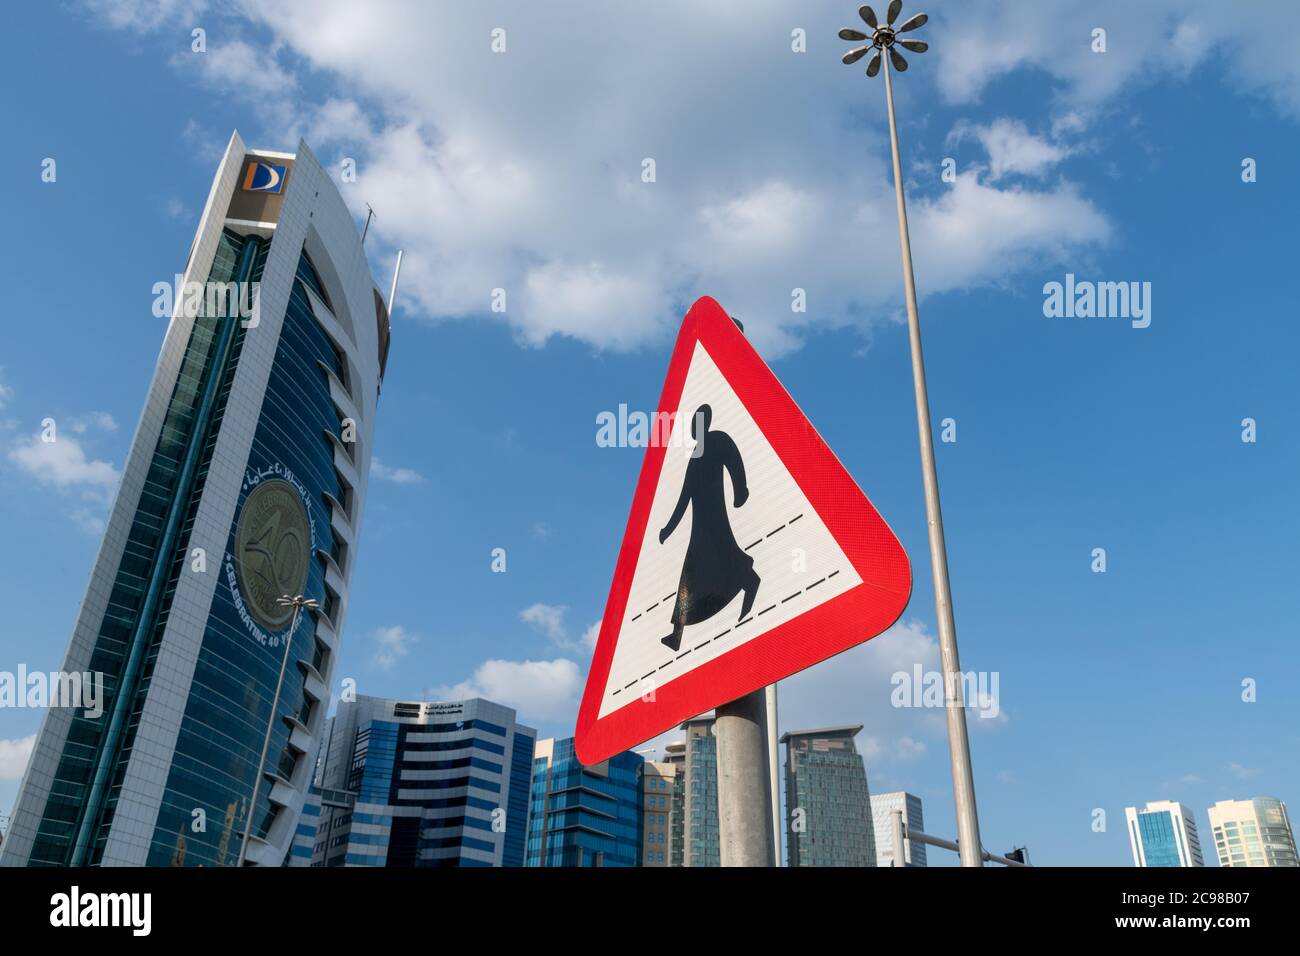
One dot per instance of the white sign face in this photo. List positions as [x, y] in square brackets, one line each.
[772, 556]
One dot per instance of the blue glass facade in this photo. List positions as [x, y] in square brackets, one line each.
[79, 810]
[584, 816]
[1160, 841]
[427, 784]
[230, 699]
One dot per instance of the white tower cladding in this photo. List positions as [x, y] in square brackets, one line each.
[1163, 833]
[1255, 832]
[245, 482]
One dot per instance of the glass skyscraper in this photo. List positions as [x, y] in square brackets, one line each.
[675, 758]
[422, 783]
[1163, 834]
[584, 816]
[1254, 832]
[828, 806]
[245, 482]
[701, 843]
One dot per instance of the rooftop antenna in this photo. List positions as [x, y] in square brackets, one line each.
[370, 214]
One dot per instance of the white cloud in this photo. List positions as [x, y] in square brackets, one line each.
[88, 521]
[855, 688]
[6, 392]
[14, 754]
[548, 619]
[540, 193]
[1147, 41]
[145, 15]
[517, 171]
[590, 636]
[909, 748]
[63, 464]
[204, 145]
[239, 67]
[99, 420]
[394, 643]
[1011, 148]
[398, 476]
[538, 690]
[1242, 772]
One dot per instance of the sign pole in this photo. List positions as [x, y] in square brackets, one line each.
[744, 800]
[743, 730]
[773, 769]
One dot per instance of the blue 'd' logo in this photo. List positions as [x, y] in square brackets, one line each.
[264, 178]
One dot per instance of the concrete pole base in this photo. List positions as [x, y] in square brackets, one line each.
[744, 789]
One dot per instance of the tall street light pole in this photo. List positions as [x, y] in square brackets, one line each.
[297, 603]
[883, 40]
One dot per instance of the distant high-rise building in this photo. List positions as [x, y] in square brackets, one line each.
[827, 800]
[675, 757]
[419, 783]
[1163, 834]
[882, 807]
[658, 783]
[245, 482]
[700, 840]
[584, 816]
[1255, 832]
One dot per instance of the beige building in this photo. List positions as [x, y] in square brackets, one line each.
[1255, 832]
[657, 787]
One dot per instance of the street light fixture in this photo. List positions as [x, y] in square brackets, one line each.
[884, 39]
[297, 603]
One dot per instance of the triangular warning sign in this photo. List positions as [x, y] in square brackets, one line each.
[750, 552]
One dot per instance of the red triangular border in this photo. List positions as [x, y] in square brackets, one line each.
[849, 619]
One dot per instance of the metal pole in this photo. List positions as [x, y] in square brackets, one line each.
[897, 838]
[916, 836]
[270, 724]
[963, 780]
[744, 804]
[773, 771]
[392, 293]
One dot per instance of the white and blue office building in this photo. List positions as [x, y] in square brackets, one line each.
[1163, 833]
[419, 783]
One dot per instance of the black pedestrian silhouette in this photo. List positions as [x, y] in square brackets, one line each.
[716, 568]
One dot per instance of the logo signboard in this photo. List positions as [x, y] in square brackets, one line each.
[750, 552]
[262, 177]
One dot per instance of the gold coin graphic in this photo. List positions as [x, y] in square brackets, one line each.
[272, 551]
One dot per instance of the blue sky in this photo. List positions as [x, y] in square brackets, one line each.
[522, 170]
